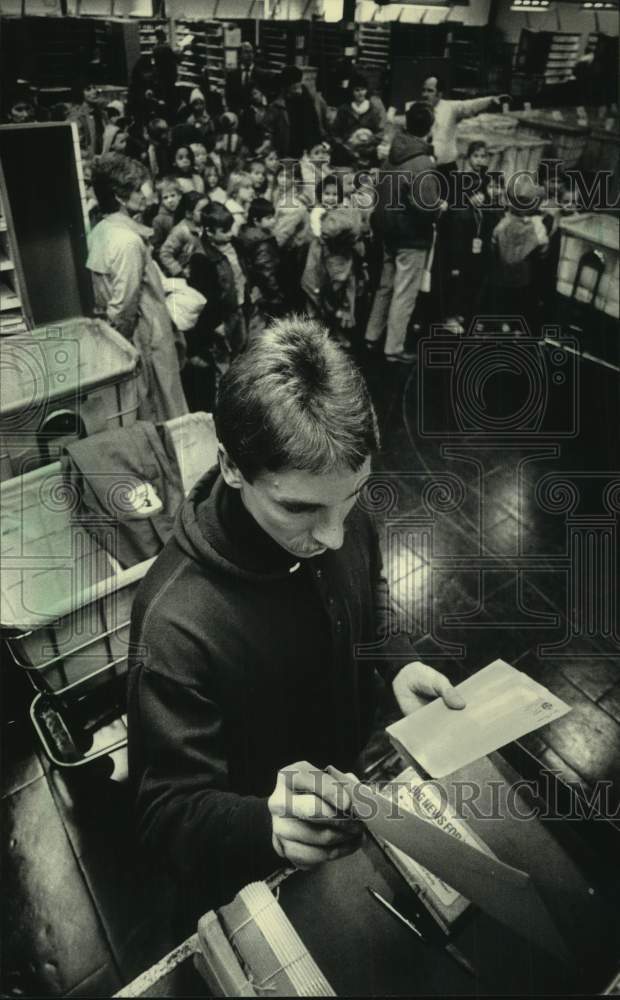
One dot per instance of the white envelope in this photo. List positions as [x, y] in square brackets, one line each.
[503, 704]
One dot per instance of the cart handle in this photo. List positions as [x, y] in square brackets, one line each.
[61, 656]
[104, 752]
[82, 680]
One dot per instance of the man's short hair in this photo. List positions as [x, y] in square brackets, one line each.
[440, 85]
[419, 119]
[294, 400]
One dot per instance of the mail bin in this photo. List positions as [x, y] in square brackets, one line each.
[65, 602]
[60, 382]
[509, 152]
[567, 135]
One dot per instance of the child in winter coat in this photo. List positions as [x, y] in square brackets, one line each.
[329, 278]
[328, 195]
[261, 256]
[240, 194]
[218, 274]
[200, 157]
[158, 149]
[359, 152]
[258, 174]
[292, 233]
[272, 165]
[314, 166]
[184, 239]
[213, 189]
[519, 242]
[469, 226]
[184, 169]
[170, 195]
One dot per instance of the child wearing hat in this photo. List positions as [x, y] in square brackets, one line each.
[477, 209]
[519, 241]
[329, 278]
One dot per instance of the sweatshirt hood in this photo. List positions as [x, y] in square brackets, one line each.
[203, 534]
[405, 147]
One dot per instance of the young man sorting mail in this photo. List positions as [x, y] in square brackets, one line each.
[244, 630]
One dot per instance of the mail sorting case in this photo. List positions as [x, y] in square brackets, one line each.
[75, 378]
[65, 602]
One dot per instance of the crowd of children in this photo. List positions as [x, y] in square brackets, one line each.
[258, 235]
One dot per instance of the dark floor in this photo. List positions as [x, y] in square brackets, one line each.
[502, 545]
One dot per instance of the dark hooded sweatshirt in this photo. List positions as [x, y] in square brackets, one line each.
[409, 194]
[242, 664]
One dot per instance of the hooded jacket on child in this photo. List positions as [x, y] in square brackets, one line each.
[242, 662]
[409, 195]
[261, 256]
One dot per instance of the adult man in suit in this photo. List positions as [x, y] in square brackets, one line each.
[165, 61]
[241, 82]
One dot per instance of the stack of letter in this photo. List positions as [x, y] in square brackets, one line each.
[250, 948]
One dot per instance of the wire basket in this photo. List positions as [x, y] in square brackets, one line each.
[580, 234]
[65, 604]
[67, 380]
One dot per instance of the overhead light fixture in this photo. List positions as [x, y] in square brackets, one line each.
[599, 5]
[531, 6]
[442, 4]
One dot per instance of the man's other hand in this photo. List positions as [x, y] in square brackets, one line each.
[308, 825]
[416, 684]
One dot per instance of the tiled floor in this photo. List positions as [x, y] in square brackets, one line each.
[505, 546]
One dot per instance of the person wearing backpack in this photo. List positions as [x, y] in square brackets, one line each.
[409, 202]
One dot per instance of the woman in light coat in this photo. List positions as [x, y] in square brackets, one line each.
[127, 285]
